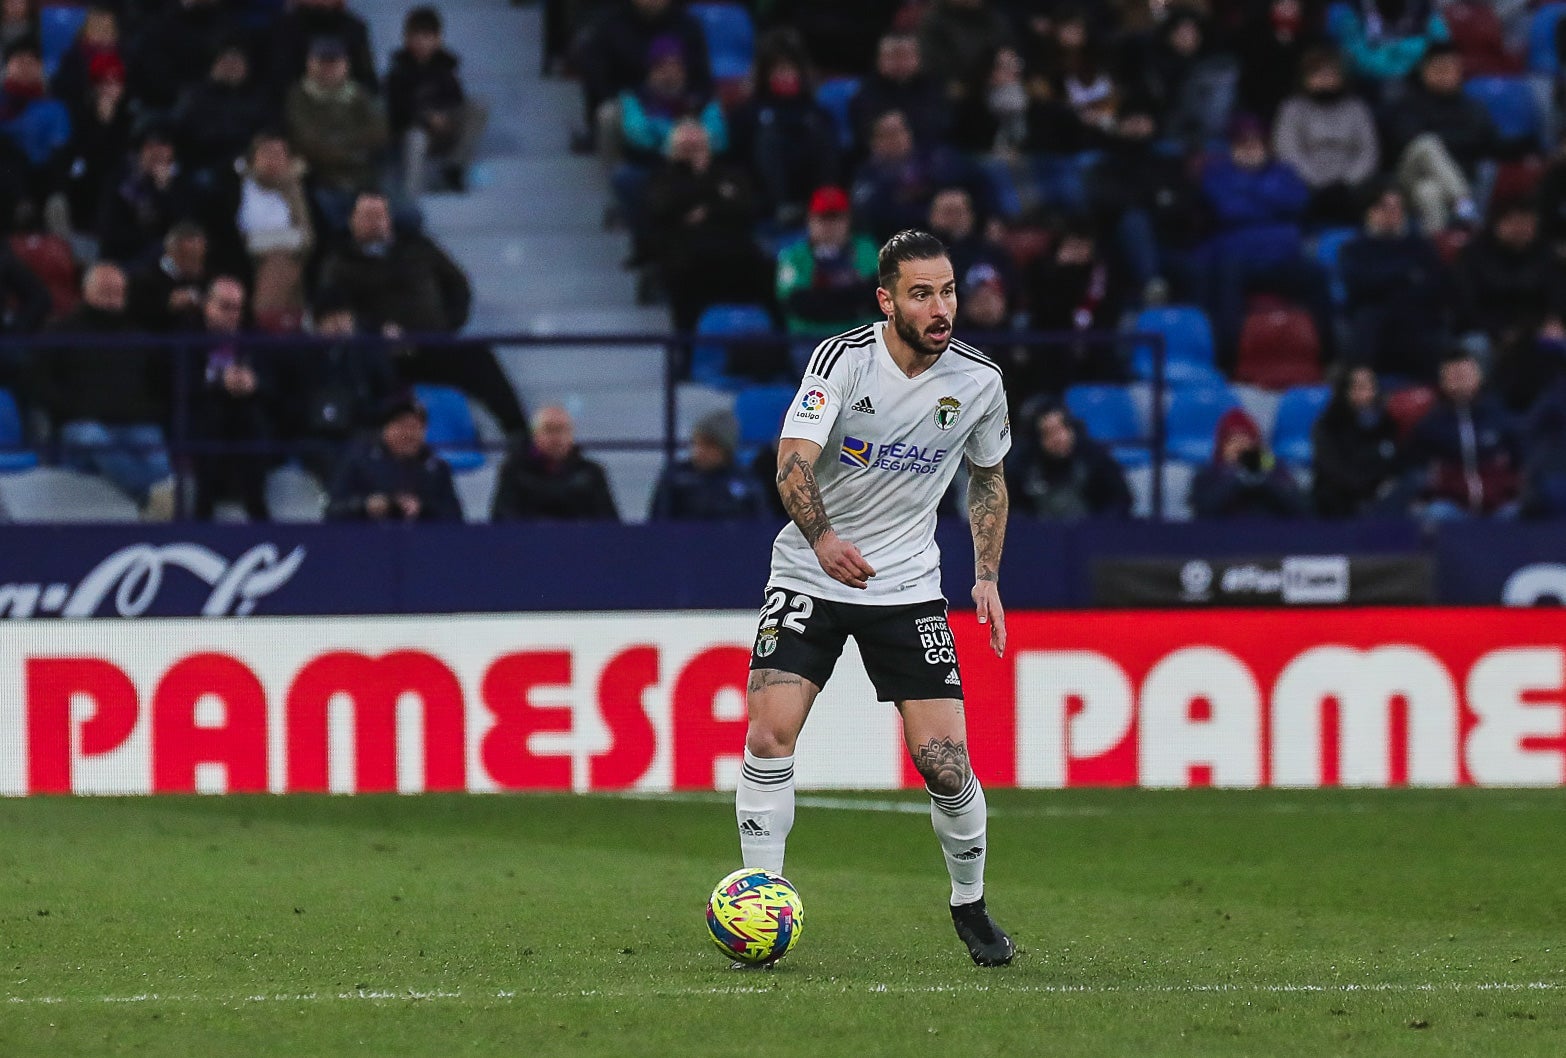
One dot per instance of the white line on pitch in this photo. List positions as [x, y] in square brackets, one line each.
[415, 995]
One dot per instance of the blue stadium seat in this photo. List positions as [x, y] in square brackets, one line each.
[836, 95]
[1511, 105]
[760, 410]
[1297, 414]
[451, 431]
[1111, 419]
[1192, 421]
[58, 25]
[1188, 344]
[1542, 56]
[731, 38]
[13, 453]
[710, 360]
[1329, 244]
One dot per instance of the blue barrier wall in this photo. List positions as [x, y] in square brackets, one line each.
[224, 570]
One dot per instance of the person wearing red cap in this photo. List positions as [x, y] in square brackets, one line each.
[1244, 480]
[824, 278]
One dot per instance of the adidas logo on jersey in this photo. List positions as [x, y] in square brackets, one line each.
[954, 679]
[863, 406]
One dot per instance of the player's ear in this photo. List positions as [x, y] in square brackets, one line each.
[883, 298]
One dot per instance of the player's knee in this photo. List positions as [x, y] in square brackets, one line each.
[945, 782]
[769, 740]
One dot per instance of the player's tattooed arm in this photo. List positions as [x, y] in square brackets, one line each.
[802, 496]
[944, 764]
[988, 505]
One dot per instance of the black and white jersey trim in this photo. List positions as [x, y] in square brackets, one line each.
[968, 352]
[832, 350]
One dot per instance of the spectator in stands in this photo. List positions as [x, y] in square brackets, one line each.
[789, 140]
[37, 123]
[1073, 287]
[396, 477]
[1543, 492]
[231, 406]
[647, 117]
[899, 83]
[958, 41]
[1552, 201]
[1439, 135]
[430, 112]
[1064, 475]
[273, 218]
[215, 119]
[613, 54]
[1383, 40]
[168, 294]
[1509, 278]
[1354, 462]
[893, 188]
[1465, 453]
[954, 219]
[1398, 293]
[549, 478]
[106, 401]
[18, 23]
[149, 198]
[1191, 82]
[24, 302]
[1273, 45]
[173, 48]
[993, 121]
[709, 486]
[306, 21]
[337, 390]
[100, 140]
[1328, 137]
[841, 36]
[397, 282]
[403, 283]
[338, 127]
[825, 280]
[1244, 479]
[701, 214]
[1529, 369]
[98, 42]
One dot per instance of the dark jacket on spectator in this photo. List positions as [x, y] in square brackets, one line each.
[1242, 198]
[1437, 448]
[726, 494]
[1461, 123]
[301, 25]
[1402, 271]
[1506, 291]
[1544, 476]
[532, 487]
[116, 384]
[413, 285]
[96, 153]
[137, 214]
[414, 88]
[24, 299]
[147, 301]
[959, 43]
[922, 101]
[340, 134]
[612, 55]
[1255, 487]
[1353, 459]
[1086, 484]
[371, 470]
[174, 48]
[336, 392]
[215, 122]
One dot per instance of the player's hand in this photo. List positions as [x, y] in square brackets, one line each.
[986, 595]
[842, 561]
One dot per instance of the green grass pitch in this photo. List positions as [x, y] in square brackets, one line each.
[1151, 923]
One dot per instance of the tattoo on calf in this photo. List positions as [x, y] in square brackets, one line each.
[944, 764]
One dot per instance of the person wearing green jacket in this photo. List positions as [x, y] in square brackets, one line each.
[826, 278]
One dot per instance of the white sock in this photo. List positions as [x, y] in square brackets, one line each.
[960, 823]
[764, 809]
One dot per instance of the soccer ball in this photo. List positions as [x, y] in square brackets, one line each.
[755, 916]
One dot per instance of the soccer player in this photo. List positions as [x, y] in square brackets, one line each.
[868, 448]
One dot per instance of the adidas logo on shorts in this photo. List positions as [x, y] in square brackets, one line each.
[863, 405]
[954, 679]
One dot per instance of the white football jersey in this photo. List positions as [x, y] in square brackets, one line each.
[890, 446]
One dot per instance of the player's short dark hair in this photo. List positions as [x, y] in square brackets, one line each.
[910, 245]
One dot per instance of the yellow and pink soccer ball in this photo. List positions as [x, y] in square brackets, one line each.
[755, 916]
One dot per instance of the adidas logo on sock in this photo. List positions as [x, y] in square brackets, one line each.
[970, 854]
[954, 679]
[752, 829]
[863, 405]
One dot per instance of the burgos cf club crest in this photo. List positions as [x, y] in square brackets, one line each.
[811, 405]
[946, 412]
[766, 642]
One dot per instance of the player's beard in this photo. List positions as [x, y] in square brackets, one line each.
[917, 340]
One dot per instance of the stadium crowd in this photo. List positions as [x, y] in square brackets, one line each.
[1364, 200]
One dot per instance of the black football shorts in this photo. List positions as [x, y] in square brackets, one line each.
[907, 648]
